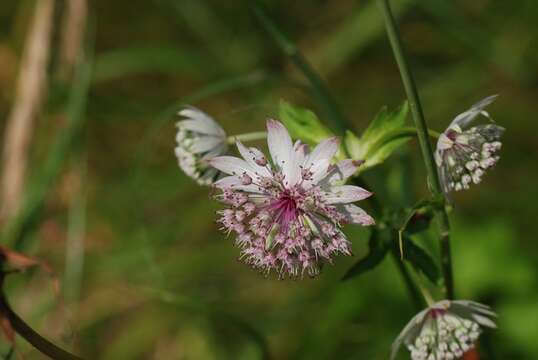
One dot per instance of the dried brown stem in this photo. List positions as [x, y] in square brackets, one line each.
[73, 28]
[31, 90]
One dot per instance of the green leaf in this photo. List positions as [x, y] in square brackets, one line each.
[379, 246]
[384, 135]
[302, 123]
[421, 260]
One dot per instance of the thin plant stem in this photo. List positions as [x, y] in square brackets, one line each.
[319, 88]
[258, 135]
[30, 335]
[425, 146]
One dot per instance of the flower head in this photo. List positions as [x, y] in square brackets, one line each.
[464, 154]
[445, 330]
[199, 138]
[287, 214]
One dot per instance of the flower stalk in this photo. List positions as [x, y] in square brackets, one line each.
[253, 136]
[425, 145]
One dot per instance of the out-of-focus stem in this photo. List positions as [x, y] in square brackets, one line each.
[259, 135]
[30, 335]
[425, 146]
[72, 36]
[31, 89]
[74, 252]
[319, 88]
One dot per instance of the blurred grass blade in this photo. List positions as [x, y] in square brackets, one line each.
[350, 38]
[14, 234]
[205, 309]
[120, 63]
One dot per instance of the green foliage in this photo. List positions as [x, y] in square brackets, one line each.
[378, 247]
[384, 135]
[420, 259]
[302, 123]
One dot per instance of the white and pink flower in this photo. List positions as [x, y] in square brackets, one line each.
[199, 138]
[445, 330]
[287, 214]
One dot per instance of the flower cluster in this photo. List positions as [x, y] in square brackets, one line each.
[287, 215]
[445, 330]
[463, 155]
[199, 138]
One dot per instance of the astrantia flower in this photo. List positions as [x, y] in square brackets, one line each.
[445, 330]
[464, 154]
[199, 138]
[287, 215]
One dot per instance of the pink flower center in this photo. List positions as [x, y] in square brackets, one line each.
[286, 209]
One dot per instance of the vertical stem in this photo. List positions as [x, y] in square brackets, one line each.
[319, 88]
[425, 146]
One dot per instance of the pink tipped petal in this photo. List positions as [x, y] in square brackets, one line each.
[231, 165]
[346, 194]
[279, 142]
[356, 215]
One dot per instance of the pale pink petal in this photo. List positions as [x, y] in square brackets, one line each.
[200, 122]
[356, 215]
[279, 142]
[250, 155]
[231, 165]
[320, 158]
[346, 194]
[203, 144]
[234, 182]
[341, 171]
[301, 151]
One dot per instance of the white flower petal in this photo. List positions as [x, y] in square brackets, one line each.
[320, 158]
[199, 122]
[484, 321]
[234, 182]
[231, 165]
[341, 171]
[204, 143]
[466, 117]
[346, 194]
[279, 142]
[250, 155]
[301, 151]
[356, 215]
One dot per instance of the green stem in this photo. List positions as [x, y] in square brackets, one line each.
[258, 135]
[425, 146]
[319, 88]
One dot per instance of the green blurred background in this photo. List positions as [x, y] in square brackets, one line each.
[156, 280]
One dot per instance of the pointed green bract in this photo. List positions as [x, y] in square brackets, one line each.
[383, 136]
[303, 124]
